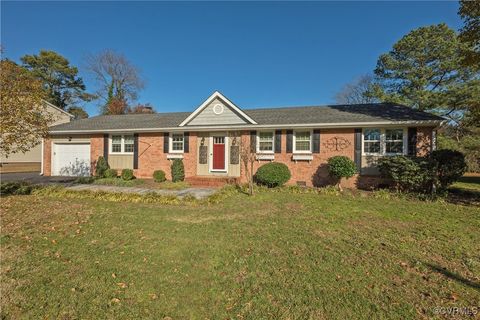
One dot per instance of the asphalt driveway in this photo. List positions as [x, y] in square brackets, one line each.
[34, 177]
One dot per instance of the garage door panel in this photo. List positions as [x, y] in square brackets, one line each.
[71, 159]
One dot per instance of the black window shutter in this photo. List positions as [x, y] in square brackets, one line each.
[278, 141]
[357, 155]
[105, 146]
[412, 141]
[165, 142]
[253, 141]
[135, 151]
[186, 136]
[289, 141]
[316, 141]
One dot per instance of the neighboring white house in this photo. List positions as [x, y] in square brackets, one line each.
[30, 161]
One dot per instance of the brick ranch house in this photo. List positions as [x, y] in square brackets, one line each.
[208, 140]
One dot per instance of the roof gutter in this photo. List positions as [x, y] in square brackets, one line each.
[420, 123]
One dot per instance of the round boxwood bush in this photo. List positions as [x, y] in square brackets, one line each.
[178, 171]
[449, 166]
[273, 174]
[111, 173]
[159, 176]
[341, 167]
[127, 174]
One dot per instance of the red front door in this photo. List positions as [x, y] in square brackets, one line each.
[218, 153]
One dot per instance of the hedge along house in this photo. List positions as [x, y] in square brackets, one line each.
[209, 140]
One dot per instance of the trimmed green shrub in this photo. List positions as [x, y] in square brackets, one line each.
[341, 167]
[111, 173]
[178, 171]
[273, 174]
[127, 174]
[407, 173]
[159, 176]
[438, 170]
[15, 188]
[449, 166]
[101, 167]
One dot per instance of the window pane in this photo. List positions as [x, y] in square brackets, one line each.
[395, 134]
[116, 143]
[177, 137]
[265, 141]
[266, 136]
[128, 139]
[266, 146]
[394, 141]
[128, 143]
[372, 147]
[394, 147]
[302, 136]
[177, 142]
[302, 146]
[177, 146]
[302, 141]
[372, 134]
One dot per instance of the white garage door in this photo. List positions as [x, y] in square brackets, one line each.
[71, 159]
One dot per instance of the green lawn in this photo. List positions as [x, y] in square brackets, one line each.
[277, 255]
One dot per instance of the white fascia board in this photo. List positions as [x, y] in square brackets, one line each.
[216, 94]
[423, 123]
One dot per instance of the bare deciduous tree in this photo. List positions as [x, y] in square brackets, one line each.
[356, 92]
[116, 77]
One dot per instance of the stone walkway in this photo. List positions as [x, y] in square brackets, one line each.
[198, 193]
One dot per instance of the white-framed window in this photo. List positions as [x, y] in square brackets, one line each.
[372, 141]
[388, 141]
[121, 143]
[177, 140]
[265, 142]
[394, 141]
[302, 141]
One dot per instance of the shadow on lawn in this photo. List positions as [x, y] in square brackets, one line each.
[462, 196]
[453, 276]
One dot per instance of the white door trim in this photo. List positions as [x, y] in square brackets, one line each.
[210, 152]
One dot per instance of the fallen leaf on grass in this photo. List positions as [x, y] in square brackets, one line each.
[122, 285]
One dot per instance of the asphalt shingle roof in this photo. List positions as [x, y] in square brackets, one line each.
[361, 113]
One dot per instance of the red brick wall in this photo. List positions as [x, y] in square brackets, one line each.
[424, 140]
[47, 157]
[314, 172]
[151, 156]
